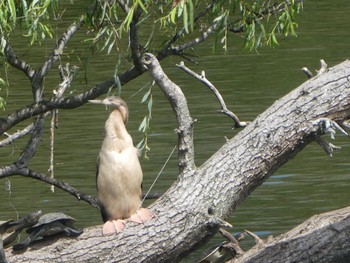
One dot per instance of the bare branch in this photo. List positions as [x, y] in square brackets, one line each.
[179, 104]
[168, 49]
[307, 72]
[323, 69]
[60, 184]
[11, 138]
[32, 144]
[198, 40]
[205, 81]
[67, 75]
[134, 40]
[257, 239]
[61, 44]
[15, 62]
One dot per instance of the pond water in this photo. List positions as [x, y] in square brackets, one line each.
[249, 82]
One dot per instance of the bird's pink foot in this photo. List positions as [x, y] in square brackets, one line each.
[141, 215]
[113, 227]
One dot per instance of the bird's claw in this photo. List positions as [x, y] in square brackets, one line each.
[113, 227]
[141, 216]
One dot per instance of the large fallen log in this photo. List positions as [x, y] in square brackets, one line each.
[322, 238]
[197, 204]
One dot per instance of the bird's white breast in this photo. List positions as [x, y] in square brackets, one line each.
[120, 177]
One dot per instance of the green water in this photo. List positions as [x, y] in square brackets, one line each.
[310, 183]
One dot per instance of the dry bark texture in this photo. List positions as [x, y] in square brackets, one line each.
[192, 210]
[322, 238]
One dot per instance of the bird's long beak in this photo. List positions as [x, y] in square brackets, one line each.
[97, 101]
[112, 101]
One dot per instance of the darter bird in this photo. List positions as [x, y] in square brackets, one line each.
[119, 174]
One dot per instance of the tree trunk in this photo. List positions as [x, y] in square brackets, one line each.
[194, 208]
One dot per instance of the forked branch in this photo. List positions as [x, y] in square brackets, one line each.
[205, 81]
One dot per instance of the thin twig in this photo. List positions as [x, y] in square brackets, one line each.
[12, 137]
[60, 184]
[323, 69]
[61, 44]
[180, 33]
[67, 76]
[232, 240]
[205, 81]
[307, 72]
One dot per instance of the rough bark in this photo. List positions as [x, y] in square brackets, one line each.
[194, 208]
[322, 238]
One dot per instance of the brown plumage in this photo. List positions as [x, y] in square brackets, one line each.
[119, 173]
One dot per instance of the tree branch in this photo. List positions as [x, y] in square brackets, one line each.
[205, 81]
[61, 44]
[15, 62]
[32, 143]
[134, 40]
[13, 169]
[60, 184]
[179, 105]
[168, 47]
[12, 137]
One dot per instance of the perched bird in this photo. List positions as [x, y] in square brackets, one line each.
[119, 174]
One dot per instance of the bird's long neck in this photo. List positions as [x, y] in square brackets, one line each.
[115, 126]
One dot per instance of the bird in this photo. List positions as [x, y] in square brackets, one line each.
[118, 173]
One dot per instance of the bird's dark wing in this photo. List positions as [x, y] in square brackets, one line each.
[102, 209]
[97, 168]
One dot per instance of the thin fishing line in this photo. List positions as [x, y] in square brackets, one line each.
[148, 84]
[160, 172]
[8, 188]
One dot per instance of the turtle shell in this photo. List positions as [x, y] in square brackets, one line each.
[51, 218]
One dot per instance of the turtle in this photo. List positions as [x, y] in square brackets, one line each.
[16, 226]
[221, 253]
[49, 225]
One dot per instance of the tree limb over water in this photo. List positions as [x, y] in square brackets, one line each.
[198, 203]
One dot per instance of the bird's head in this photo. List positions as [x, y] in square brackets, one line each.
[116, 103]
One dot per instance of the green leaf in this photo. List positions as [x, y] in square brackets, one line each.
[143, 124]
[12, 7]
[149, 105]
[180, 8]
[142, 6]
[173, 15]
[145, 96]
[185, 18]
[190, 4]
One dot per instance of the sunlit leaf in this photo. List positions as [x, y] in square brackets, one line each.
[150, 104]
[143, 124]
[146, 95]
[11, 4]
[185, 18]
